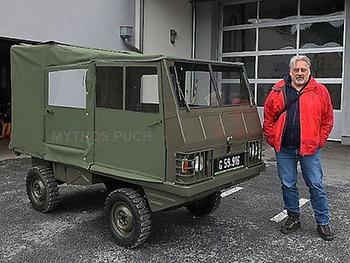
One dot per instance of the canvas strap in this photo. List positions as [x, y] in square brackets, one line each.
[286, 107]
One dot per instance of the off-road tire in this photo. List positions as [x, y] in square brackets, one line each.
[128, 216]
[205, 206]
[42, 189]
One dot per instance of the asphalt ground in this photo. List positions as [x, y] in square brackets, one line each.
[239, 231]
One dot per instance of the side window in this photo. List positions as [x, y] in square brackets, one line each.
[109, 88]
[142, 89]
[67, 88]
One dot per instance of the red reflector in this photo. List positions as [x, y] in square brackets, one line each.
[185, 166]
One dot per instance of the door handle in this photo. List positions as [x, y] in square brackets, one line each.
[49, 111]
[156, 123]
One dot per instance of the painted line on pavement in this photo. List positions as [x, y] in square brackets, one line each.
[279, 217]
[231, 191]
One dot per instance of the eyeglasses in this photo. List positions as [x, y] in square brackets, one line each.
[297, 70]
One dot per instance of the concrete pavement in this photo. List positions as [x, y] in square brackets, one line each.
[5, 153]
[239, 231]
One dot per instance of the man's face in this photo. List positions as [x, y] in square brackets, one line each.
[300, 73]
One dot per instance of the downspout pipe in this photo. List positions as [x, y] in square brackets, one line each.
[139, 24]
[130, 46]
[137, 30]
[194, 29]
[142, 25]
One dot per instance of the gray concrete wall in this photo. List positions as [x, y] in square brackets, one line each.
[203, 31]
[81, 22]
[207, 32]
[160, 16]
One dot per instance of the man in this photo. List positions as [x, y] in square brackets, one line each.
[298, 118]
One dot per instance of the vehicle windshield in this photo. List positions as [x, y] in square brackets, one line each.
[209, 85]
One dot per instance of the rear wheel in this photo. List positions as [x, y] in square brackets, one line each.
[128, 217]
[42, 189]
[206, 205]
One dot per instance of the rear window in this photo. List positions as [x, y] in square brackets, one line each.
[67, 88]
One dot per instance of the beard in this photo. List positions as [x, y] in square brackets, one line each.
[300, 81]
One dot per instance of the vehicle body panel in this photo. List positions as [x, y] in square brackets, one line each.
[96, 144]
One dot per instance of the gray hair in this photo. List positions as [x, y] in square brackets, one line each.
[296, 58]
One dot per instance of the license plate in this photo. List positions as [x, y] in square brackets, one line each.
[228, 163]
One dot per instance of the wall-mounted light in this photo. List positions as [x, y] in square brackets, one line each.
[173, 35]
[126, 32]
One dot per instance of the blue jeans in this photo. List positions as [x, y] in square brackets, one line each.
[287, 160]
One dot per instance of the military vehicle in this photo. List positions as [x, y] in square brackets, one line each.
[159, 132]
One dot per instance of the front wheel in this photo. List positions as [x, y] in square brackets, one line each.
[42, 189]
[128, 217]
[206, 205]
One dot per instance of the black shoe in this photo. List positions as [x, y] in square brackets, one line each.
[292, 224]
[325, 232]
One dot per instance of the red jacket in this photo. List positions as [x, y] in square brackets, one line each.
[316, 116]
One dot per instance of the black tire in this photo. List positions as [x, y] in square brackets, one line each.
[128, 217]
[42, 189]
[205, 206]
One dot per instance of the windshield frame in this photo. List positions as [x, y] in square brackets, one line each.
[175, 84]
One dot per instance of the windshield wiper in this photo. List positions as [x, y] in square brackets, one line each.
[251, 96]
[179, 90]
[213, 80]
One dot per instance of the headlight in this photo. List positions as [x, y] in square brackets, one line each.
[190, 164]
[255, 152]
[193, 167]
[198, 163]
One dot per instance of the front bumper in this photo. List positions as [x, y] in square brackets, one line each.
[169, 195]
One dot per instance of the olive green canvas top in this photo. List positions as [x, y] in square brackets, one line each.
[38, 128]
[56, 54]
[29, 75]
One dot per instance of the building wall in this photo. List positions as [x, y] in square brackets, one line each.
[275, 58]
[160, 16]
[207, 31]
[81, 22]
[98, 26]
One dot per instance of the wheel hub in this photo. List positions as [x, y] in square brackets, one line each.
[123, 219]
[38, 190]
